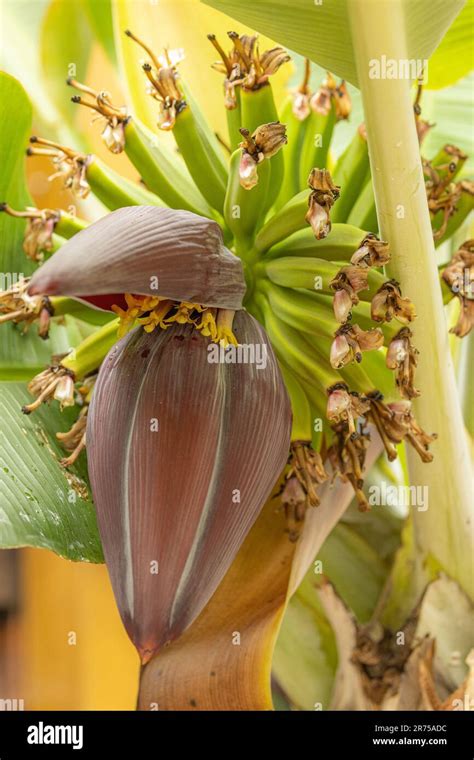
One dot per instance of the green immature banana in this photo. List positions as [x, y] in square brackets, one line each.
[162, 174]
[69, 225]
[234, 122]
[314, 275]
[300, 311]
[209, 140]
[290, 218]
[301, 428]
[350, 172]
[203, 164]
[297, 352]
[244, 209]
[258, 107]
[363, 213]
[72, 307]
[315, 147]
[339, 245]
[89, 355]
[114, 190]
[296, 129]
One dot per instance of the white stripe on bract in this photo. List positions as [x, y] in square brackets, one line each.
[205, 515]
[129, 591]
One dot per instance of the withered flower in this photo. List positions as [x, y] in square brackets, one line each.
[163, 77]
[18, 306]
[71, 166]
[166, 91]
[38, 238]
[299, 493]
[244, 66]
[320, 102]
[349, 281]
[402, 357]
[350, 341]
[323, 195]
[74, 440]
[342, 102]
[300, 106]
[395, 423]
[422, 126]
[459, 276]
[265, 141]
[330, 93]
[347, 458]
[172, 512]
[344, 406]
[442, 192]
[115, 118]
[372, 252]
[388, 303]
[55, 382]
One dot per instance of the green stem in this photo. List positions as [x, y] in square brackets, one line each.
[443, 530]
[89, 355]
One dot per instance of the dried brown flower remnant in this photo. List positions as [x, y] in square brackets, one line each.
[113, 133]
[166, 91]
[330, 93]
[381, 659]
[323, 195]
[306, 473]
[342, 102]
[350, 341]
[163, 77]
[402, 357]
[442, 192]
[395, 423]
[18, 307]
[300, 105]
[348, 282]
[372, 252]
[70, 165]
[244, 66]
[54, 382]
[345, 406]
[388, 303]
[262, 144]
[38, 238]
[347, 457]
[459, 276]
[74, 440]
[422, 126]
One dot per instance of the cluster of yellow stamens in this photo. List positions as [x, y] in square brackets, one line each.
[151, 312]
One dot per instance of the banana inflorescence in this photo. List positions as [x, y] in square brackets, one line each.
[304, 228]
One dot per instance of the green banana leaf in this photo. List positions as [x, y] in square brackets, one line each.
[65, 45]
[450, 109]
[453, 58]
[99, 15]
[320, 30]
[305, 658]
[41, 503]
